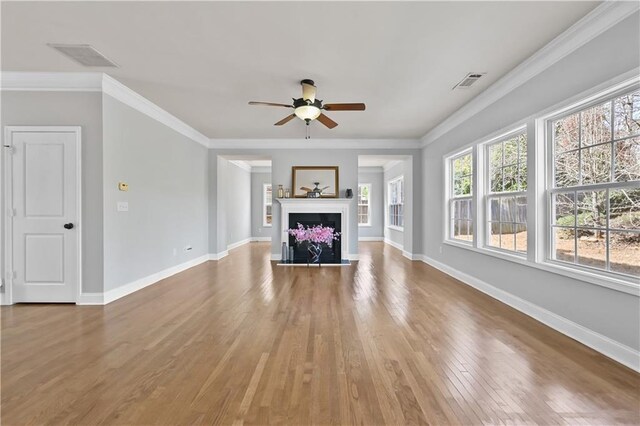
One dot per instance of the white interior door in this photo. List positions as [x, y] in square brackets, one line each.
[45, 201]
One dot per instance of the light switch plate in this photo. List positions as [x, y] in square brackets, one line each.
[123, 206]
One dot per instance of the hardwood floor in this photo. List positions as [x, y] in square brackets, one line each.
[385, 341]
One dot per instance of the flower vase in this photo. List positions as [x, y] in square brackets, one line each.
[314, 252]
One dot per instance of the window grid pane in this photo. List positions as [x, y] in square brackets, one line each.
[396, 203]
[364, 191]
[598, 227]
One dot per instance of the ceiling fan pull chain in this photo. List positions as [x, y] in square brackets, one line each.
[308, 131]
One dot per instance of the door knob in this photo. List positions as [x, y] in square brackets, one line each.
[68, 226]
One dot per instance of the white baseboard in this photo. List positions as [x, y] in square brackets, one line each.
[91, 299]
[276, 256]
[238, 244]
[260, 238]
[411, 256]
[218, 256]
[124, 290]
[393, 244]
[615, 350]
[353, 256]
[370, 238]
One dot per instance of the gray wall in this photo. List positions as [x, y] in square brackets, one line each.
[373, 175]
[237, 182]
[609, 312]
[257, 182]
[281, 162]
[168, 190]
[82, 109]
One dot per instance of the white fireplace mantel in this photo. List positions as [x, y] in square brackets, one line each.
[318, 205]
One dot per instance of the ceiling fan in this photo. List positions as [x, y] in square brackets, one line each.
[308, 108]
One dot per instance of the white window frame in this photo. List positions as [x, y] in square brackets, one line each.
[544, 132]
[391, 182]
[368, 224]
[538, 174]
[264, 205]
[450, 197]
[486, 195]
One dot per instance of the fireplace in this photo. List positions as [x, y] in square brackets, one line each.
[331, 254]
[332, 212]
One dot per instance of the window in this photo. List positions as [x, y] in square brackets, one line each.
[364, 204]
[506, 201]
[461, 197]
[266, 204]
[396, 203]
[595, 185]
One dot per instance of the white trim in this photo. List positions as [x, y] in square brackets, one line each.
[600, 343]
[393, 244]
[350, 256]
[91, 299]
[370, 169]
[390, 165]
[218, 256]
[258, 239]
[370, 238]
[241, 164]
[411, 256]
[119, 91]
[51, 81]
[98, 82]
[321, 205]
[260, 169]
[394, 144]
[126, 289]
[593, 24]
[238, 244]
[396, 228]
[276, 256]
[7, 298]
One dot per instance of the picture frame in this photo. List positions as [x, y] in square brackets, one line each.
[307, 176]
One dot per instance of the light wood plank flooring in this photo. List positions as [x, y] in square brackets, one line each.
[385, 341]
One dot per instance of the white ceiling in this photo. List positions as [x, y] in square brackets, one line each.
[203, 61]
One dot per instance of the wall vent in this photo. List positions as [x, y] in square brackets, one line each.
[469, 80]
[84, 54]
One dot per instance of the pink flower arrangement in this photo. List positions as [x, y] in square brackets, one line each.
[315, 234]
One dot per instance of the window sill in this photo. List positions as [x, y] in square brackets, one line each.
[612, 283]
[364, 225]
[395, 228]
[267, 226]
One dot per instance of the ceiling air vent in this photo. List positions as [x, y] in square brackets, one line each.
[469, 80]
[84, 54]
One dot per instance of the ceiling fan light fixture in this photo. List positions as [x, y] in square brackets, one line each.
[308, 90]
[307, 112]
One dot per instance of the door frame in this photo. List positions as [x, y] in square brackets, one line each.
[7, 180]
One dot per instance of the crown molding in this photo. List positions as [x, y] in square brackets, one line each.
[51, 81]
[600, 19]
[119, 91]
[315, 144]
[97, 82]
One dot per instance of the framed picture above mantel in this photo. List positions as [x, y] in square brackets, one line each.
[311, 179]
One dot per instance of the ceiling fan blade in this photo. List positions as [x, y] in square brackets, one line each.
[285, 120]
[326, 121]
[270, 104]
[345, 107]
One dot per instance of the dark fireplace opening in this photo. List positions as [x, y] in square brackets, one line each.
[331, 254]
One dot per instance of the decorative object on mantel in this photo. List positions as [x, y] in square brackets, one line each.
[304, 178]
[287, 193]
[348, 193]
[314, 237]
[280, 191]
